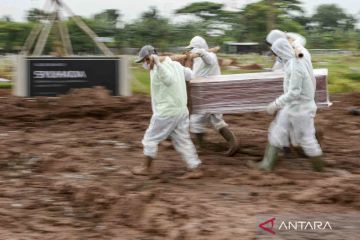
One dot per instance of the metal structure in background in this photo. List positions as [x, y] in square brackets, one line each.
[38, 37]
[53, 75]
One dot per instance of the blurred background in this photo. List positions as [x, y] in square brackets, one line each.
[64, 161]
[331, 29]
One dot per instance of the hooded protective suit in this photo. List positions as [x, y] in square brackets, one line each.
[298, 42]
[170, 113]
[297, 104]
[206, 65]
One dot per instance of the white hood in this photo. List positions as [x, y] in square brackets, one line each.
[275, 35]
[198, 42]
[297, 38]
[283, 49]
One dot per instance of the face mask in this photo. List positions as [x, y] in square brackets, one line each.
[146, 66]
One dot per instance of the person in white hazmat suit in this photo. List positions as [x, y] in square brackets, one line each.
[296, 107]
[170, 113]
[207, 65]
[297, 42]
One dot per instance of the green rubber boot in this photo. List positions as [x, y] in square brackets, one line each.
[317, 163]
[269, 159]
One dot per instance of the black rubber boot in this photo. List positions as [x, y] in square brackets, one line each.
[231, 140]
[269, 159]
[355, 111]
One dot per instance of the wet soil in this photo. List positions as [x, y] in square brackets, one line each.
[64, 174]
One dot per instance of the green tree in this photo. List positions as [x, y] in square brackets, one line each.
[151, 28]
[13, 35]
[109, 17]
[255, 19]
[6, 18]
[203, 10]
[331, 17]
[212, 13]
[35, 15]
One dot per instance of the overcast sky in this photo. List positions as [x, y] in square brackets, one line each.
[131, 9]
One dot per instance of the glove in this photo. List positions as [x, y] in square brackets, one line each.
[272, 108]
[156, 59]
[199, 51]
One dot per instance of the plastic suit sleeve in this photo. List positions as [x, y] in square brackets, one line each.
[208, 58]
[294, 89]
[163, 75]
[277, 66]
[188, 74]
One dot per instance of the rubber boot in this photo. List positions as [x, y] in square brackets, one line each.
[355, 111]
[231, 140]
[300, 151]
[268, 161]
[317, 163]
[200, 139]
[144, 169]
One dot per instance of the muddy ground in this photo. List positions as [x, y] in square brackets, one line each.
[64, 174]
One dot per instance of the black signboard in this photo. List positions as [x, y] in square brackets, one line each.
[49, 76]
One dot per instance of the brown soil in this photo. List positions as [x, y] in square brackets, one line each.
[253, 66]
[64, 173]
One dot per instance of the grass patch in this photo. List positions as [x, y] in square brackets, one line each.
[140, 80]
[354, 76]
[6, 84]
[344, 71]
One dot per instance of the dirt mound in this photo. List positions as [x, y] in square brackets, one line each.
[341, 190]
[225, 62]
[64, 173]
[89, 102]
[86, 97]
[253, 66]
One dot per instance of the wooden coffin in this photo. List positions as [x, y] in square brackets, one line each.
[248, 92]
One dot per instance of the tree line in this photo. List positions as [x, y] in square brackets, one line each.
[329, 27]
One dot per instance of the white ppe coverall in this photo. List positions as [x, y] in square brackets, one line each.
[299, 42]
[297, 104]
[205, 65]
[170, 114]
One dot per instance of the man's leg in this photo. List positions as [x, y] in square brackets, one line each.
[223, 128]
[278, 138]
[143, 169]
[183, 144]
[159, 129]
[304, 129]
[197, 127]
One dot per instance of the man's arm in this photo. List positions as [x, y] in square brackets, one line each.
[188, 74]
[277, 65]
[295, 87]
[163, 73]
[207, 57]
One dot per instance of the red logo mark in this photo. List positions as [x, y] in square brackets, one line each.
[267, 229]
